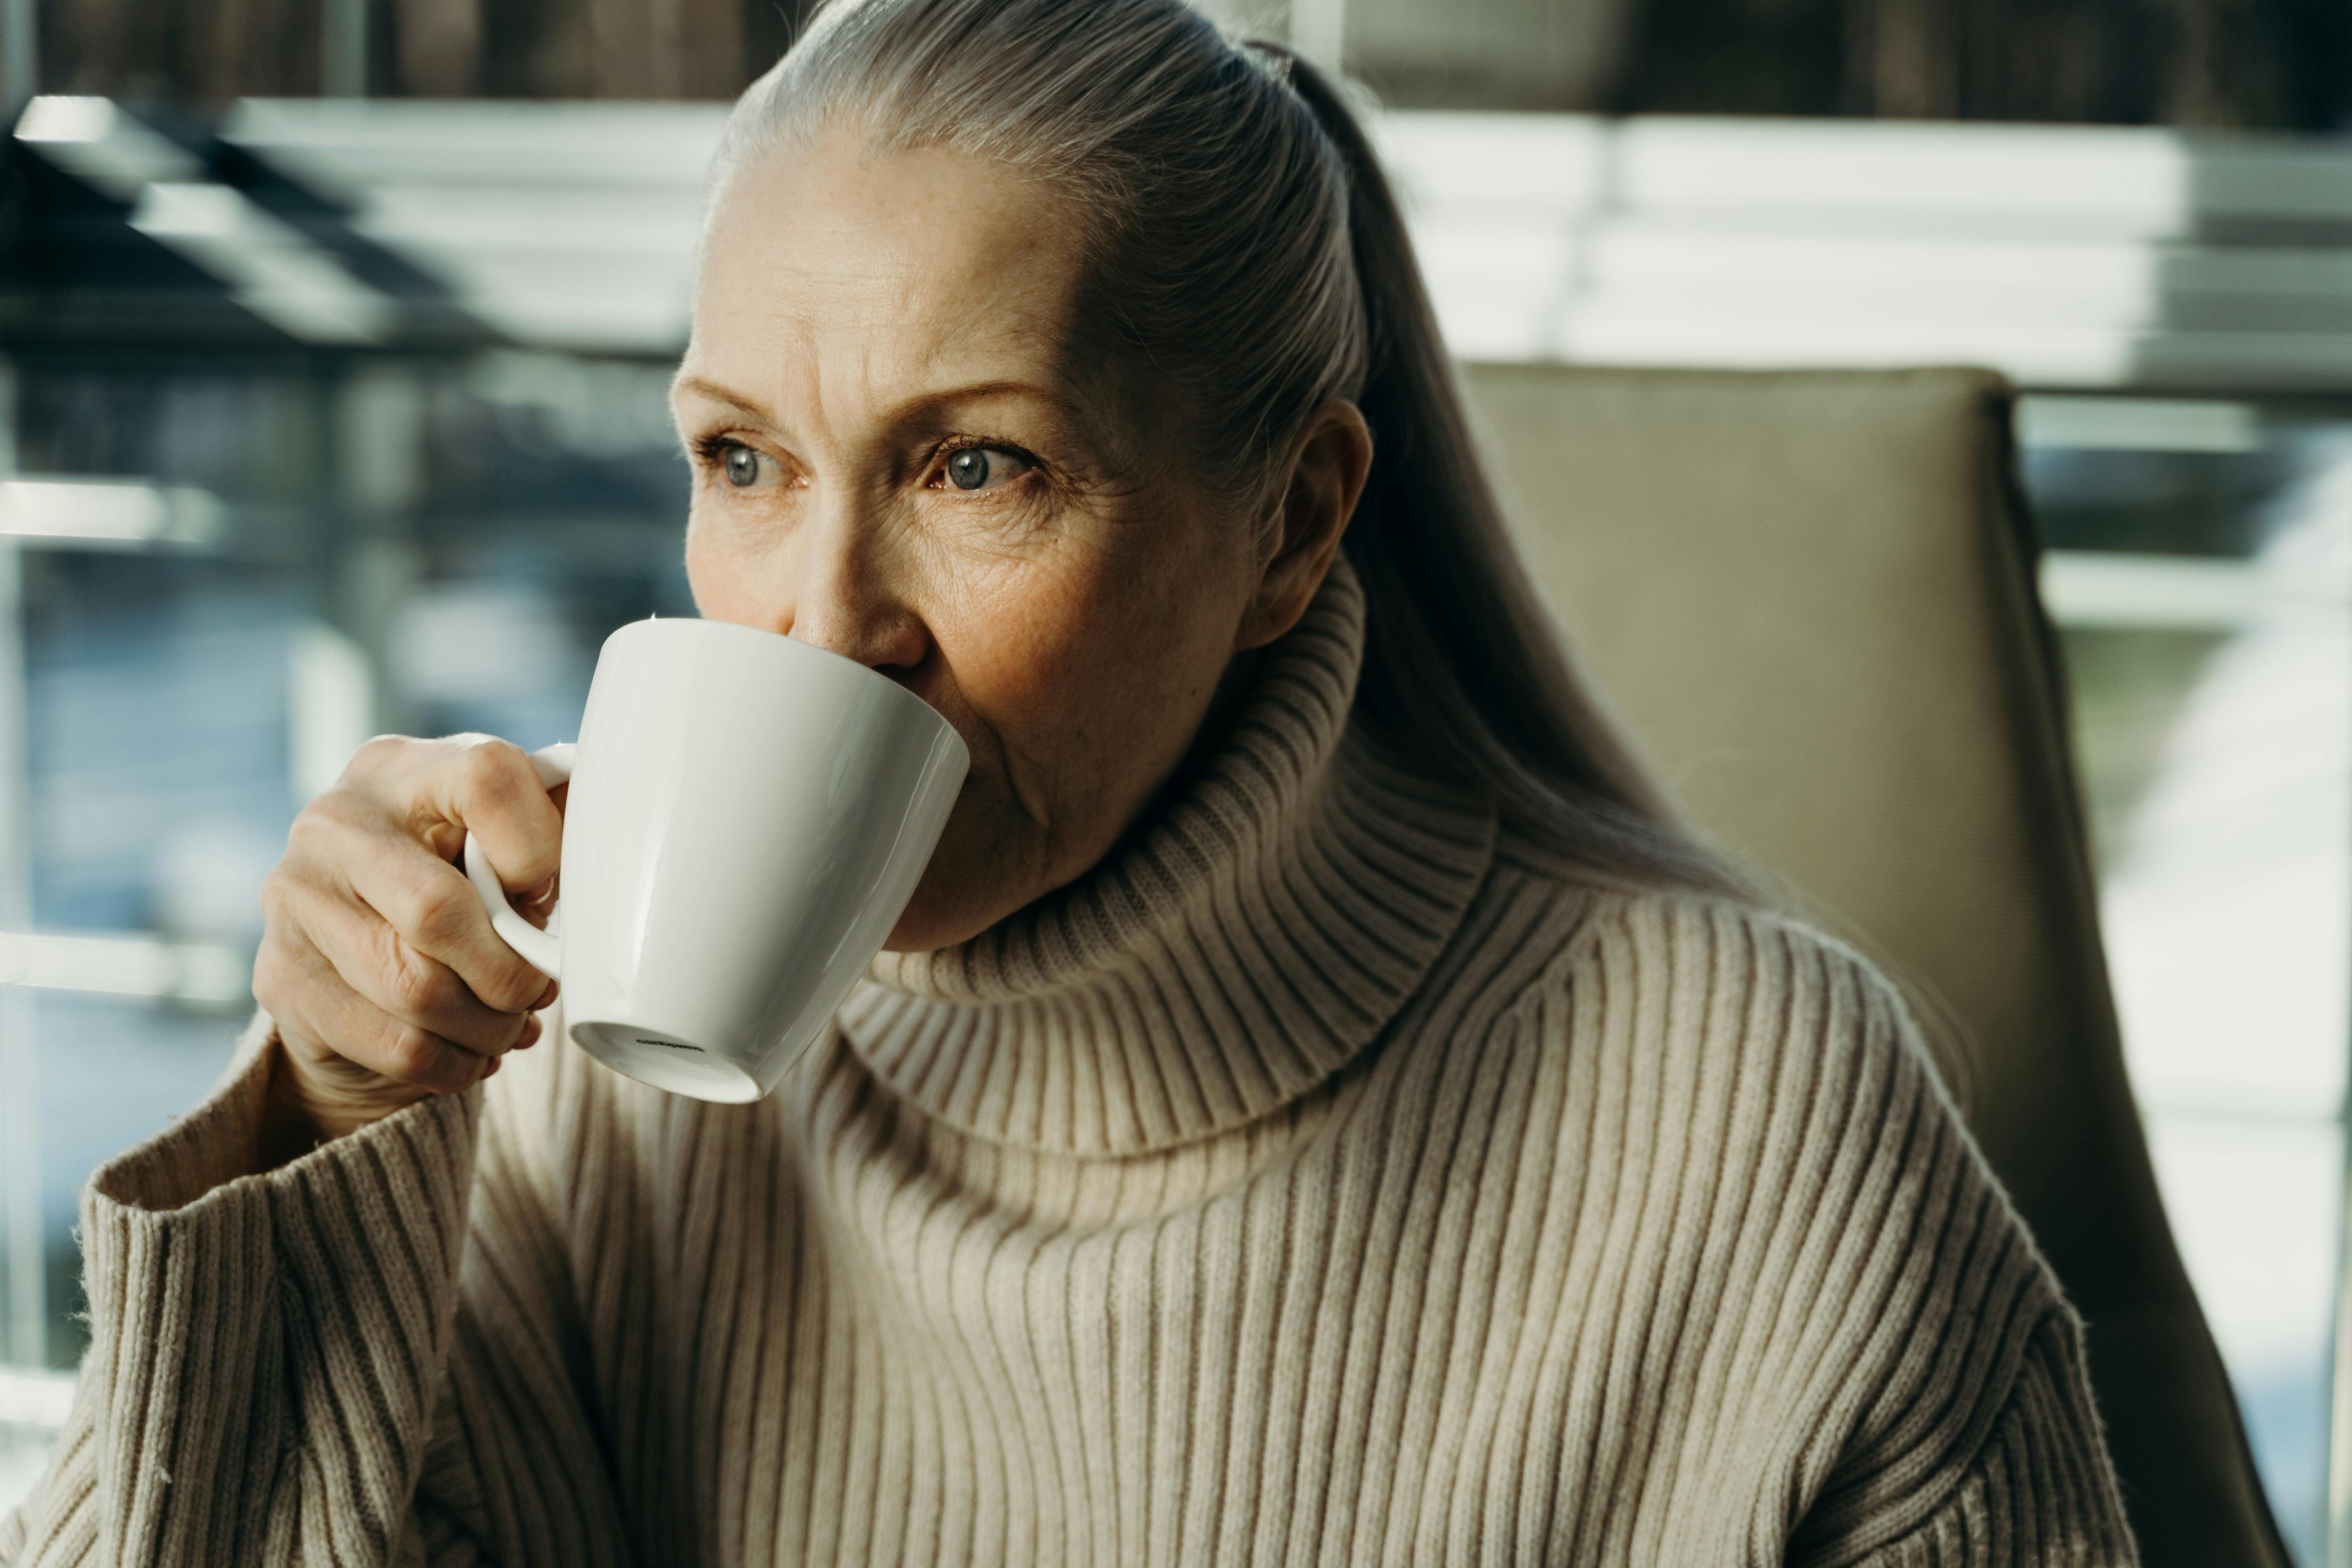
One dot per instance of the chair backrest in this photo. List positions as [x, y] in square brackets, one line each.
[1810, 597]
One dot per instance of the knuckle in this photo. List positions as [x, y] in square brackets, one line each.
[414, 1056]
[332, 832]
[446, 913]
[512, 987]
[313, 833]
[495, 772]
[270, 986]
[497, 988]
[419, 987]
[287, 887]
[275, 897]
[370, 774]
[285, 961]
[378, 754]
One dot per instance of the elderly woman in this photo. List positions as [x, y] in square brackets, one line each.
[1316, 1109]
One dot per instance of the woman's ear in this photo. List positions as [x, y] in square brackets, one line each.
[1318, 495]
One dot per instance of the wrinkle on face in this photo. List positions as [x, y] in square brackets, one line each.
[855, 315]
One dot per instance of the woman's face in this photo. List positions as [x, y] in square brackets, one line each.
[905, 451]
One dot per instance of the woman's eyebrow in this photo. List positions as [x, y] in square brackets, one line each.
[1066, 410]
[980, 389]
[718, 394]
[932, 405]
[910, 408]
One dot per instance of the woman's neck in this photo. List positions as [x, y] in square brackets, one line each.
[1225, 704]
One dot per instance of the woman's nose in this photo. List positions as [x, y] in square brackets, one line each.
[851, 597]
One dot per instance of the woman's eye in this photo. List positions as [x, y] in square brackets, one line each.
[742, 467]
[985, 467]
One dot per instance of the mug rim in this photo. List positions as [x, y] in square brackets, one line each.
[791, 648]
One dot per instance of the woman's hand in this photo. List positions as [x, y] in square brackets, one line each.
[377, 961]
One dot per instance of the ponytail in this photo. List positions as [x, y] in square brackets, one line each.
[1461, 661]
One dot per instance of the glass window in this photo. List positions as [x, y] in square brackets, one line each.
[2205, 602]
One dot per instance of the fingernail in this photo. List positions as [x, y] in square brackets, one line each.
[489, 1070]
[547, 997]
[529, 1036]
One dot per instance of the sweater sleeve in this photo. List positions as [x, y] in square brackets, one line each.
[345, 1360]
[1969, 1437]
[2037, 1492]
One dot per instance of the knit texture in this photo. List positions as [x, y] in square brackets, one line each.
[1330, 1177]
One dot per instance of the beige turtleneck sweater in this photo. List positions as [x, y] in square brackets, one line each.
[1330, 1178]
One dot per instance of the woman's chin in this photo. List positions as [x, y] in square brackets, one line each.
[919, 931]
[988, 865]
[964, 890]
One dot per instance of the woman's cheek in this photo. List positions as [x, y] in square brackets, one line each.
[723, 576]
[1026, 638]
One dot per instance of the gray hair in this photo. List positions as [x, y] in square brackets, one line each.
[1243, 241]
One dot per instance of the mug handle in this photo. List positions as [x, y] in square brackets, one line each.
[539, 949]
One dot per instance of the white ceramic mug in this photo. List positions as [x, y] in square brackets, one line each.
[748, 815]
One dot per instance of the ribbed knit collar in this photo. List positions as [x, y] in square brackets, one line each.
[1230, 959]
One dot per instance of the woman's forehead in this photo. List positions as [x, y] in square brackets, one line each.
[921, 260]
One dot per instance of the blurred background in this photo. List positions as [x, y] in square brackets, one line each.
[333, 341]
